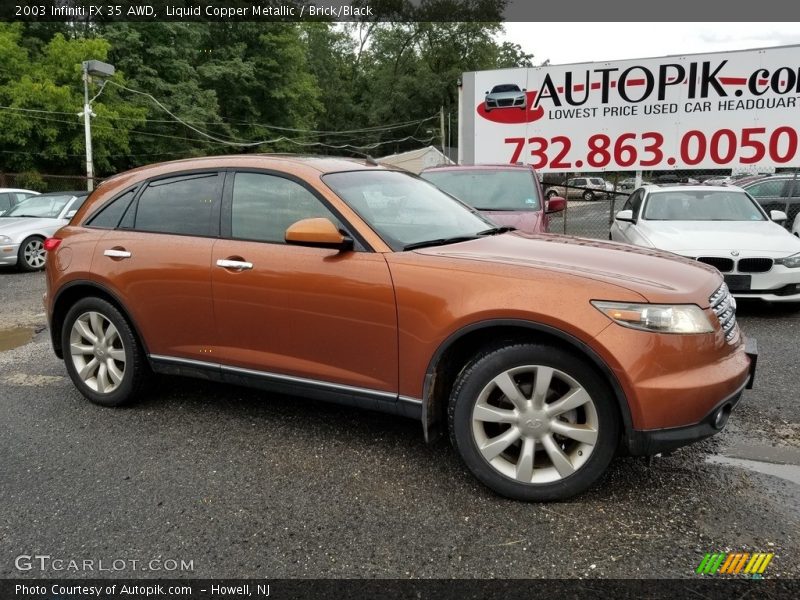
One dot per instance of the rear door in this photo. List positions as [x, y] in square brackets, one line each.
[157, 260]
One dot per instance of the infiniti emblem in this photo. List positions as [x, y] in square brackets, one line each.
[734, 253]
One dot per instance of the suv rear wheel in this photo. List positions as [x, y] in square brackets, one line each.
[103, 357]
[533, 422]
[588, 196]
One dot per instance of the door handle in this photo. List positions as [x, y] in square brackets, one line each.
[116, 253]
[239, 265]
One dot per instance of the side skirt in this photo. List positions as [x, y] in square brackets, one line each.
[325, 391]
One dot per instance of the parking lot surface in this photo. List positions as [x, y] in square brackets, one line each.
[244, 484]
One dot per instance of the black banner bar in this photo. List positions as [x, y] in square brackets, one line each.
[703, 587]
[399, 10]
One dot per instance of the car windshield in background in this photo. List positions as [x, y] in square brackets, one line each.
[405, 210]
[40, 206]
[489, 189]
[701, 206]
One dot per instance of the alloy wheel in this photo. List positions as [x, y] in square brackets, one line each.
[33, 254]
[535, 424]
[97, 352]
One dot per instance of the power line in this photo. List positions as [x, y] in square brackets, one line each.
[295, 141]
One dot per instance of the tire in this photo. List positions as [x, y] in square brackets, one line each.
[31, 255]
[588, 196]
[121, 371]
[532, 456]
[551, 194]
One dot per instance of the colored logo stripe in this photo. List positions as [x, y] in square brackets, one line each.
[722, 562]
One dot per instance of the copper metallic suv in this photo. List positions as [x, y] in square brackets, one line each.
[541, 355]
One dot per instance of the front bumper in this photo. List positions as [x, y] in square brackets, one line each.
[8, 254]
[649, 442]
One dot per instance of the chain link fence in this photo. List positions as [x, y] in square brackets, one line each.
[39, 182]
[594, 199]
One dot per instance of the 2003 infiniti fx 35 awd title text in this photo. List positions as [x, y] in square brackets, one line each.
[542, 356]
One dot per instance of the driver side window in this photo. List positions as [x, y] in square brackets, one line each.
[264, 206]
[634, 202]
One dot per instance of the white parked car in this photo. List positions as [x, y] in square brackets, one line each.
[24, 227]
[720, 226]
[10, 197]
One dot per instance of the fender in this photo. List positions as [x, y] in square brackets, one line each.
[429, 415]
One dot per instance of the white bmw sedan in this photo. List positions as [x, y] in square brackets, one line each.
[720, 226]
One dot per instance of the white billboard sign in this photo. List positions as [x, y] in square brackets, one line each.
[702, 111]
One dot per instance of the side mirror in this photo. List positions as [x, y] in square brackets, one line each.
[70, 214]
[555, 204]
[317, 233]
[486, 93]
[524, 89]
[778, 216]
[625, 215]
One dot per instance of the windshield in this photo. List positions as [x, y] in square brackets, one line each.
[507, 87]
[490, 189]
[40, 206]
[680, 205]
[404, 209]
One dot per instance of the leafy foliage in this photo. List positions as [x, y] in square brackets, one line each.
[299, 87]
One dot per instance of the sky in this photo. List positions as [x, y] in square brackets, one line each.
[564, 43]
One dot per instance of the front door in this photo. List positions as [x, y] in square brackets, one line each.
[313, 313]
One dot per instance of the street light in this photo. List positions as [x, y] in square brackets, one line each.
[91, 68]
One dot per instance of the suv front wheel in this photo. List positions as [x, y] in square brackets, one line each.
[101, 352]
[533, 422]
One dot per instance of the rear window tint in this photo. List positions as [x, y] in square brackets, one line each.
[181, 205]
[111, 214]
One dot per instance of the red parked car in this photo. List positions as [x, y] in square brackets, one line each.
[508, 194]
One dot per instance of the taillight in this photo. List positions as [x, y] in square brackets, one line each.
[51, 244]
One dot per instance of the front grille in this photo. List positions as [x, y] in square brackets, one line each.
[724, 265]
[505, 102]
[724, 306]
[754, 265]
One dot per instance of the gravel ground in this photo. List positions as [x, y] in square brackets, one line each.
[245, 485]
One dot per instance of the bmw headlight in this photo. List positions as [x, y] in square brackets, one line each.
[4, 239]
[660, 318]
[792, 261]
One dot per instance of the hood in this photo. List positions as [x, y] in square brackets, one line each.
[749, 238]
[15, 226]
[527, 221]
[658, 276]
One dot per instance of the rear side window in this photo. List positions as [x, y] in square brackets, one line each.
[181, 205]
[769, 188]
[110, 215]
[263, 206]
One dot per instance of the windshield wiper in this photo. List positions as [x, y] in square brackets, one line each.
[29, 216]
[497, 230]
[440, 242]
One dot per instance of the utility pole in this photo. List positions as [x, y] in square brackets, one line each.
[87, 127]
[98, 69]
[441, 128]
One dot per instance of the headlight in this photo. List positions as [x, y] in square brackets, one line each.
[4, 239]
[661, 318]
[792, 261]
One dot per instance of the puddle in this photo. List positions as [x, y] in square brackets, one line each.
[784, 471]
[15, 337]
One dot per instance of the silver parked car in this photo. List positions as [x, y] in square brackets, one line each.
[24, 227]
[505, 95]
[9, 197]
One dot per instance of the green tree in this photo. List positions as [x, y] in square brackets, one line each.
[43, 92]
